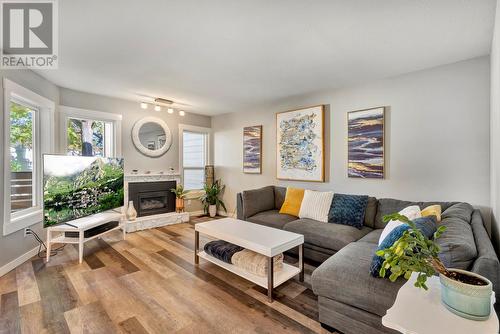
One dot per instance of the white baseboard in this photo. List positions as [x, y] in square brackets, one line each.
[17, 262]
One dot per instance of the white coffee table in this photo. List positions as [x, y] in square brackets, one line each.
[417, 311]
[260, 239]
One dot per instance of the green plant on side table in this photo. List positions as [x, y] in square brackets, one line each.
[180, 194]
[464, 293]
[210, 199]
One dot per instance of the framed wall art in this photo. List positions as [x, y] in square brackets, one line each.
[365, 137]
[300, 144]
[252, 149]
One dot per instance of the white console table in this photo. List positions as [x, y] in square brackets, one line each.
[81, 225]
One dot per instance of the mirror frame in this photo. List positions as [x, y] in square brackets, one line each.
[143, 149]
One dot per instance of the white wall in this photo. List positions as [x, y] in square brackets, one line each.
[132, 112]
[495, 132]
[437, 137]
[15, 244]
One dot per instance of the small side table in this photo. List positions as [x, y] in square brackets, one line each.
[417, 311]
[81, 225]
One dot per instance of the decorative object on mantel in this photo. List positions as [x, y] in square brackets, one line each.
[464, 293]
[365, 139]
[209, 174]
[135, 171]
[131, 211]
[180, 194]
[210, 199]
[252, 149]
[145, 135]
[300, 144]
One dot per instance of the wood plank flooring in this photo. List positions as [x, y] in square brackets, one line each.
[147, 283]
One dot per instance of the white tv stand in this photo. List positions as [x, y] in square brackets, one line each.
[81, 225]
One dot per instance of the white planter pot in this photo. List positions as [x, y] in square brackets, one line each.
[212, 210]
[131, 212]
[466, 300]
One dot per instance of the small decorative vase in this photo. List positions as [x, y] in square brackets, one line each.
[179, 205]
[212, 210]
[466, 300]
[131, 212]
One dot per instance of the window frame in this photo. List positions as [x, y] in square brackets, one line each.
[111, 150]
[44, 112]
[208, 147]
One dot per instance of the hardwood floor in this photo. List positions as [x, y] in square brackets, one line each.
[147, 284]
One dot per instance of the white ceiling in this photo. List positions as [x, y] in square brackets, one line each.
[231, 55]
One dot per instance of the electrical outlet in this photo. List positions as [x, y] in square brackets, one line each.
[188, 202]
[27, 232]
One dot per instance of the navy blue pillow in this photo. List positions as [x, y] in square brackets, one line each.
[348, 210]
[427, 225]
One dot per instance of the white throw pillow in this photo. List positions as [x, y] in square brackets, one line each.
[316, 205]
[411, 212]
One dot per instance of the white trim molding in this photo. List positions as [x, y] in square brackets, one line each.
[18, 261]
[43, 138]
[114, 119]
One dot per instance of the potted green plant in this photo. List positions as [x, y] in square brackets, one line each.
[180, 194]
[464, 293]
[210, 199]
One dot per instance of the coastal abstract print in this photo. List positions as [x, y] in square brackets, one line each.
[300, 144]
[252, 149]
[366, 143]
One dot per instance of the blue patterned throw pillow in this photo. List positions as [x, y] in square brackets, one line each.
[348, 210]
[427, 225]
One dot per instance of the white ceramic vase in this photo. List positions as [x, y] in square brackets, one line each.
[212, 210]
[131, 212]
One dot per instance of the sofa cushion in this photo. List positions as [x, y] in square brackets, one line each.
[410, 212]
[458, 248]
[279, 197]
[257, 200]
[348, 210]
[271, 218]
[293, 200]
[331, 236]
[372, 237]
[316, 205]
[370, 212]
[345, 277]
[388, 205]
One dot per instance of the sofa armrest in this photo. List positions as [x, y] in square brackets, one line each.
[239, 207]
[487, 263]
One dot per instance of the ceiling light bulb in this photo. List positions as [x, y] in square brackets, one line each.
[170, 110]
[144, 105]
[182, 113]
[157, 108]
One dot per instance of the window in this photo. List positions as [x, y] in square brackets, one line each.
[25, 115]
[90, 133]
[22, 122]
[194, 155]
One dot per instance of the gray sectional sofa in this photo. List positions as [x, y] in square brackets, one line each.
[349, 298]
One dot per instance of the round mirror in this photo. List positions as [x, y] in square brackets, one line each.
[151, 136]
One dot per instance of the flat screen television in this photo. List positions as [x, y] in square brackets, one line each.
[75, 187]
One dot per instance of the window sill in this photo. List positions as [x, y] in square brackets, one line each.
[22, 221]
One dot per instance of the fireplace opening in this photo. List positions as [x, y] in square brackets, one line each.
[152, 198]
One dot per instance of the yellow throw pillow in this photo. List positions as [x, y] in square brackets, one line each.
[293, 200]
[432, 210]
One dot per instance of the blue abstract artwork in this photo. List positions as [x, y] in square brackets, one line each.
[366, 143]
[300, 144]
